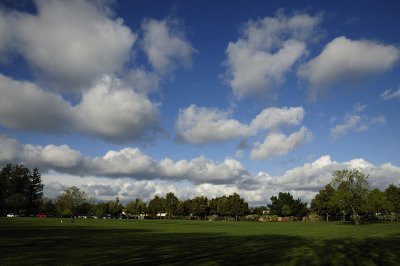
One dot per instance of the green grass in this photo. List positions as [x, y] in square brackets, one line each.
[29, 241]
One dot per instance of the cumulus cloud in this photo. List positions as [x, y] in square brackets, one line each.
[165, 45]
[115, 112]
[108, 109]
[303, 181]
[127, 162]
[70, 42]
[129, 173]
[10, 149]
[5, 35]
[25, 106]
[51, 157]
[389, 95]
[142, 81]
[355, 122]
[272, 118]
[278, 144]
[346, 60]
[200, 125]
[267, 49]
[203, 170]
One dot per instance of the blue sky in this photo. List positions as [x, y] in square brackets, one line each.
[137, 98]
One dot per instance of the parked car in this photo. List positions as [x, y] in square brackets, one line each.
[41, 215]
[10, 215]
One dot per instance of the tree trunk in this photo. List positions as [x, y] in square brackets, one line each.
[327, 217]
[355, 216]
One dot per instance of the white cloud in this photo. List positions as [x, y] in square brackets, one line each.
[267, 49]
[71, 42]
[142, 81]
[109, 110]
[389, 95]
[5, 35]
[199, 125]
[51, 156]
[272, 118]
[115, 112]
[355, 122]
[129, 173]
[25, 106]
[128, 162]
[302, 181]
[165, 45]
[202, 170]
[345, 60]
[10, 149]
[278, 144]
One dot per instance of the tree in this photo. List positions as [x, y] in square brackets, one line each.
[136, 207]
[182, 208]
[101, 209]
[47, 206]
[376, 203]
[156, 205]
[34, 190]
[323, 202]
[70, 201]
[351, 191]
[20, 189]
[393, 196]
[171, 204]
[114, 207]
[223, 206]
[286, 205]
[198, 206]
[237, 206]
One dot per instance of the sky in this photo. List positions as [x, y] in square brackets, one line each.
[133, 99]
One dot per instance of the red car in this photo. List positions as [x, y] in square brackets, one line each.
[41, 215]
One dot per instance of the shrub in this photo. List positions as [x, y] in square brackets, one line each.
[313, 217]
[252, 217]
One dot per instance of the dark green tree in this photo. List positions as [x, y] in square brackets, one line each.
[223, 208]
[48, 206]
[198, 206]
[182, 208]
[171, 204]
[20, 189]
[156, 205]
[136, 207]
[285, 205]
[34, 191]
[115, 208]
[392, 193]
[237, 206]
[323, 202]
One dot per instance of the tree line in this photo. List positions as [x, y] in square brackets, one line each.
[347, 195]
[74, 202]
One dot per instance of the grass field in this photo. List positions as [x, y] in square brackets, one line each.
[28, 241]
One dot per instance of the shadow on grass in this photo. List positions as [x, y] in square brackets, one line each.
[85, 245]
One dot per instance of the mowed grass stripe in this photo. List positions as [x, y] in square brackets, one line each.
[31, 241]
